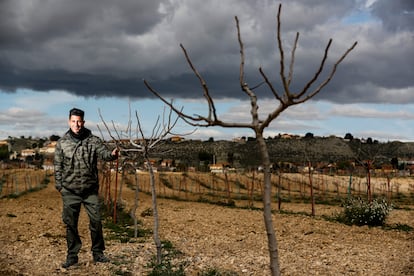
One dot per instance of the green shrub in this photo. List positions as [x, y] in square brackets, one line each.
[212, 271]
[359, 212]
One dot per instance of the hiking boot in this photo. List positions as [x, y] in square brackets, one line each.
[70, 261]
[100, 258]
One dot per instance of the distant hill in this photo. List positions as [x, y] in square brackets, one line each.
[19, 144]
[330, 149]
[246, 153]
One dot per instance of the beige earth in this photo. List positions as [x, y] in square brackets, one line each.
[232, 240]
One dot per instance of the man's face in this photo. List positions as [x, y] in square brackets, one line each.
[76, 123]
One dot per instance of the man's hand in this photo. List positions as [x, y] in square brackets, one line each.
[115, 152]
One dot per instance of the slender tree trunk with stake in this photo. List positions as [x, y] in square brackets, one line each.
[116, 189]
[157, 240]
[279, 190]
[135, 207]
[369, 181]
[311, 188]
[267, 207]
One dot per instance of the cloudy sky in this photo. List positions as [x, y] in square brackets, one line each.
[94, 55]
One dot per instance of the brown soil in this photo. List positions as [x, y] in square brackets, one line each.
[32, 240]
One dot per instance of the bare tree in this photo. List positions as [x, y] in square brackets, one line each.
[368, 155]
[144, 145]
[284, 100]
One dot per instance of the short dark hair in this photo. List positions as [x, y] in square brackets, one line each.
[77, 112]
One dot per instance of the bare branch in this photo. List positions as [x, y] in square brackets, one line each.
[241, 46]
[191, 120]
[117, 143]
[100, 131]
[318, 72]
[328, 79]
[282, 55]
[143, 144]
[269, 84]
[292, 59]
[116, 130]
[273, 115]
[258, 85]
[244, 86]
[211, 107]
[199, 121]
[155, 134]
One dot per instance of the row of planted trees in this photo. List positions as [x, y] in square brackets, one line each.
[14, 182]
[246, 189]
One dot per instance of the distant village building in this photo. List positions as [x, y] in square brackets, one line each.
[28, 152]
[4, 143]
[176, 139]
[239, 139]
[49, 148]
[286, 136]
[216, 168]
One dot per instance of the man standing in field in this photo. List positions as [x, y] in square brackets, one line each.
[76, 175]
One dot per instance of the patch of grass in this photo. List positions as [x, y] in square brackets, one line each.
[213, 271]
[330, 201]
[147, 213]
[123, 228]
[225, 202]
[399, 227]
[123, 273]
[287, 212]
[404, 208]
[122, 233]
[35, 189]
[252, 208]
[171, 263]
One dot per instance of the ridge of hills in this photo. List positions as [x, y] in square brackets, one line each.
[246, 153]
[320, 149]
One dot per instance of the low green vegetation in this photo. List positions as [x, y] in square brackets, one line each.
[361, 212]
[213, 271]
[171, 264]
[123, 228]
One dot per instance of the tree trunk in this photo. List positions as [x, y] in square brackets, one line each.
[279, 191]
[267, 208]
[369, 181]
[311, 188]
[155, 211]
[134, 209]
[116, 190]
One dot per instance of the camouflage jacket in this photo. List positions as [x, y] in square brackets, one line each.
[76, 163]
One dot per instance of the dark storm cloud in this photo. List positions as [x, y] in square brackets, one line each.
[395, 15]
[107, 48]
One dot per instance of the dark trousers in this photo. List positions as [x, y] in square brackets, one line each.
[70, 215]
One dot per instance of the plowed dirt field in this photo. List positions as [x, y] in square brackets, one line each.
[32, 240]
